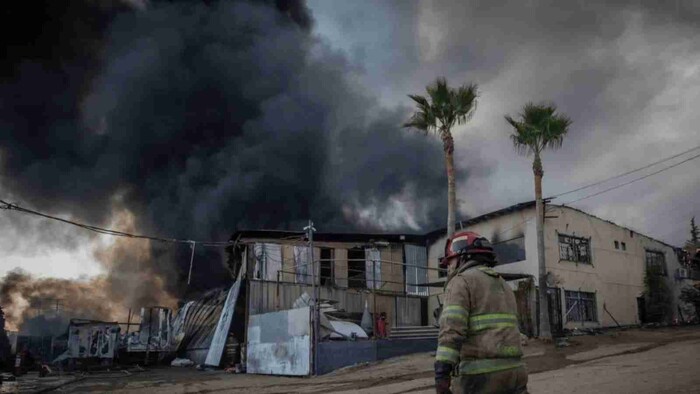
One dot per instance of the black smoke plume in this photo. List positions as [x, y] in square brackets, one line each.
[192, 119]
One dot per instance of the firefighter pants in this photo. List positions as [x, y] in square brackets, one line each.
[512, 381]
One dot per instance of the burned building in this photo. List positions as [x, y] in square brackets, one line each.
[378, 273]
[595, 267]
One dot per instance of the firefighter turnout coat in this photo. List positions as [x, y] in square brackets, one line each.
[479, 332]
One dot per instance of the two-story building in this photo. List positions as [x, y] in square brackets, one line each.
[595, 267]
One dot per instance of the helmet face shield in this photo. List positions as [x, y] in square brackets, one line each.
[462, 243]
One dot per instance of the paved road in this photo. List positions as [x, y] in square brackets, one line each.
[672, 368]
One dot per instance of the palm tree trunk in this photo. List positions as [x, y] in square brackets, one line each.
[545, 328]
[448, 145]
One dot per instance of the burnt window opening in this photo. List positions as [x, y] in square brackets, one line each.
[617, 245]
[624, 247]
[631, 234]
[656, 262]
[510, 251]
[576, 249]
[581, 306]
[357, 277]
[327, 264]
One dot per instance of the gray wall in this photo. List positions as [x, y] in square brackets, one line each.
[337, 354]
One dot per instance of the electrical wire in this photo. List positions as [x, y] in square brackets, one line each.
[100, 230]
[609, 189]
[627, 173]
[633, 180]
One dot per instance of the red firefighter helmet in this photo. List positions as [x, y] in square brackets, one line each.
[465, 242]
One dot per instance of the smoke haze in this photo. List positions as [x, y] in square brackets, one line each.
[191, 120]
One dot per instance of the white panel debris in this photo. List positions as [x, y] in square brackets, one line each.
[91, 339]
[279, 343]
[218, 343]
[346, 329]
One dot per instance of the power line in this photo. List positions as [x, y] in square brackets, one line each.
[633, 180]
[100, 230]
[627, 173]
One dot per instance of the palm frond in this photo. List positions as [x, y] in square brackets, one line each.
[464, 100]
[539, 127]
[557, 128]
[422, 102]
[443, 107]
[522, 138]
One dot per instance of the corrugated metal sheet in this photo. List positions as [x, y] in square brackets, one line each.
[416, 257]
[198, 324]
[269, 296]
[408, 311]
[218, 342]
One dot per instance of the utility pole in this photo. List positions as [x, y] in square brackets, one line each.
[545, 330]
[189, 276]
[310, 235]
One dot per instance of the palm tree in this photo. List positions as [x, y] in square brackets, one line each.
[443, 108]
[539, 127]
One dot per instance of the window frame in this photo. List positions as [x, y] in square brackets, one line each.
[590, 312]
[355, 266]
[330, 263]
[656, 252]
[573, 248]
[518, 242]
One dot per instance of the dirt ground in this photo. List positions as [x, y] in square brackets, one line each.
[621, 361]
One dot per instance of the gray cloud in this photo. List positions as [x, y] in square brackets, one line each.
[199, 120]
[624, 71]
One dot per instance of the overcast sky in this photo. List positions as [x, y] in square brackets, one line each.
[626, 72]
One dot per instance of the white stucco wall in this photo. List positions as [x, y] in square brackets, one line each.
[615, 276]
[502, 228]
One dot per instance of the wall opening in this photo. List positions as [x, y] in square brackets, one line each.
[327, 264]
[357, 278]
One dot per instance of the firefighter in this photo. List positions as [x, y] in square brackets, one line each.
[479, 338]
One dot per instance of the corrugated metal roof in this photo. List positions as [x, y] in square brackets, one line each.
[419, 239]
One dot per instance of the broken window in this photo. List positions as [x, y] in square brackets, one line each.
[373, 268]
[580, 306]
[356, 269]
[575, 249]
[416, 271]
[268, 261]
[302, 264]
[624, 247]
[656, 262]
[327, 264]
[510, 251]
[617, 245]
